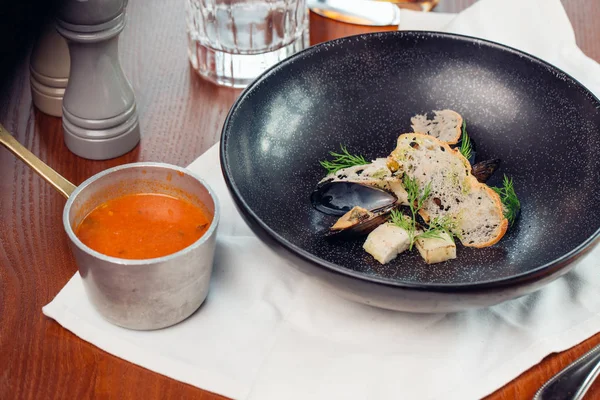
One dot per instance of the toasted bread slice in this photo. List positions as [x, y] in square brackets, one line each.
[446, 125]
[475, 208]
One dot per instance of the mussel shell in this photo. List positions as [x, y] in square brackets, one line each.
[483, 170]
[337, 198]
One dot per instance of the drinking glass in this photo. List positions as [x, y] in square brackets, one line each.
[231, 42]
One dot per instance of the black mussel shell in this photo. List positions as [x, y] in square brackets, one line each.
[337, 198]
[483, 170]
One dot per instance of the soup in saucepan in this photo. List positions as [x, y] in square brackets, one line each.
[140, 226]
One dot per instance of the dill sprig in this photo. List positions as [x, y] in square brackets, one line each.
[466, 148]
[416, 199]
[406, 223]
[401, 220]
[431, 233]
[342, 160]
[438, 226]
[509, 199]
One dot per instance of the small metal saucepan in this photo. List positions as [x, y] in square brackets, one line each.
[137, 294]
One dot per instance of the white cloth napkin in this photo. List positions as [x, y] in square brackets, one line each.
[267, 331]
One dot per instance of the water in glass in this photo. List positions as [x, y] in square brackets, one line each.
[231, 42]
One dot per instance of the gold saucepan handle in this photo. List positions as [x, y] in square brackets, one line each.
[51, 176]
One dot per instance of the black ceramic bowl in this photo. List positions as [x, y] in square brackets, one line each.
[361, 91]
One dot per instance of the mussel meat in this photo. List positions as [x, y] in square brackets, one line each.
[359, 222]
[337, 198]
[483, 170]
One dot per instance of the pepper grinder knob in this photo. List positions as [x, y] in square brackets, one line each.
[99, 112]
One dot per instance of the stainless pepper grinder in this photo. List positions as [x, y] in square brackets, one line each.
[99, 113]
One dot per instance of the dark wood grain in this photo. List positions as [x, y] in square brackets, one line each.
[181, 117]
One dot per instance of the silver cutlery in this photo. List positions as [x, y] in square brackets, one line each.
[574, 381]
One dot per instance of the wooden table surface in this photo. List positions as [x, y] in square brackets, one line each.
[181, 116]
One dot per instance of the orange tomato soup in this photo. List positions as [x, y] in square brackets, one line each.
[142, 226]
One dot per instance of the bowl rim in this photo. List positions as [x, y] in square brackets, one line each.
[534, 274]
[74, 239]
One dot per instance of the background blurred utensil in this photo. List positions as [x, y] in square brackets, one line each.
[574, 381]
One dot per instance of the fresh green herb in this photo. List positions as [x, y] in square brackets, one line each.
[342, 160]
[416, 199]
[509, 198]
[401, 220]
[466, 148]
[431, 233]
[438, 226]
[406, 223]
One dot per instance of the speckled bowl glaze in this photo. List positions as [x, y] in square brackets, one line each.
[361, 91]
